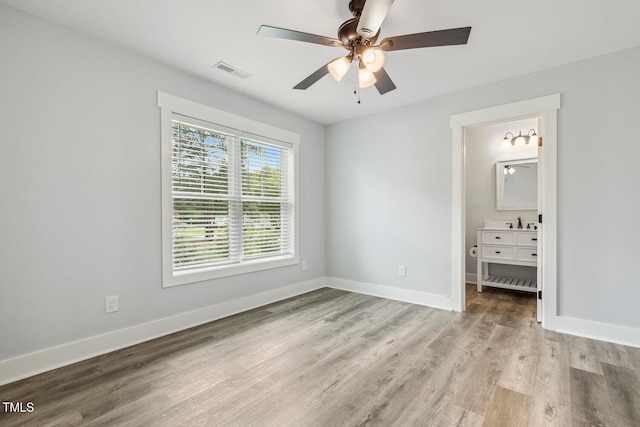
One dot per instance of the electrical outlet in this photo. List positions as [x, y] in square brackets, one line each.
[303, 265]
[402, 270]
[111, 304]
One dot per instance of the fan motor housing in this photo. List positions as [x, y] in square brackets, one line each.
[356, 6]
[349, 36]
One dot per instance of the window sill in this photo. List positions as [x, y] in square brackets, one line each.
[200, 275]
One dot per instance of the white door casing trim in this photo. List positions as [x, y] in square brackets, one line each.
[546, 108]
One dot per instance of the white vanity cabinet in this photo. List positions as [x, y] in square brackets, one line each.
[516, 247]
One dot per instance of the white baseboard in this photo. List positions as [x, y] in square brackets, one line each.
[26, 365]
[471, 278]
[599, 331]
[405, 295]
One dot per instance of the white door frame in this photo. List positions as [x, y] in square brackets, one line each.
[545, 107]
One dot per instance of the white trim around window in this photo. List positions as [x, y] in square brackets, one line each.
[266, 144]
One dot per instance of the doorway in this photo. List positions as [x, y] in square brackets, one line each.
[501, 229]
[547, 108]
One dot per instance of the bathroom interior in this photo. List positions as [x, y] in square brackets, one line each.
[501, 213]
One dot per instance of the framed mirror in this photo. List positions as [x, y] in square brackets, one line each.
[517, 185]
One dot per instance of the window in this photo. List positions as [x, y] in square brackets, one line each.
[229, 193]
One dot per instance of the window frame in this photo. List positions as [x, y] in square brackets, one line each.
[170, 105]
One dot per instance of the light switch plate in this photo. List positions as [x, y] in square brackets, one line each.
[402, 270]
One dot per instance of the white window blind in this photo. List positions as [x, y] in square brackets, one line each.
[202, 196]
[266, 200]
[232, 196]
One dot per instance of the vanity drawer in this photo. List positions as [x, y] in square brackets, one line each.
[527, 239]
[527, 254]
[497, 237]
[498, 252]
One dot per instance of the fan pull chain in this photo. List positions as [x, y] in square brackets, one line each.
[356, 91]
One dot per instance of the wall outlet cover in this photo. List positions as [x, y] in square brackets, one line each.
[111, 304]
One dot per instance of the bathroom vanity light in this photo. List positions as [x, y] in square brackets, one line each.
[519, 141]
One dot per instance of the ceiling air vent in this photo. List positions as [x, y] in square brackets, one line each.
[232, 70]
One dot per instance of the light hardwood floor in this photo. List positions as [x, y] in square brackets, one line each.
[334, 358]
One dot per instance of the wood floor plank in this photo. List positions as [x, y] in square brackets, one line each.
[455, 365]
[67, 418]
[520, 370]
[504, 307]
[135, 411]
[460, 417]
[582, 355]
[623, 386]
[634, 356]
[336, 358]
[248, 352]
[611, 353]
[386, 385]
[342, 376]
[477, 334]
[272, 374]
[435, 399]
[487, 369]
[551, 393]
[454, 368]
[507, 409]
[590, 402]
[322, 350]
[454, 335]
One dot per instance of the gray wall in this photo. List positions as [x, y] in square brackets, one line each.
[389, 188]
[482, 151]
[80, 188]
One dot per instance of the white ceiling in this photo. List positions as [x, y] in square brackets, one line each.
[509, 38]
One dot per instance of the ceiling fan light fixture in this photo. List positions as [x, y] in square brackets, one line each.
[373, 58]
[366, 78]
[339, 67]
[359, 36]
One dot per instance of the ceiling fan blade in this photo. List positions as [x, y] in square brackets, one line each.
[449, 37]
[373, 14]
[314, 77]
[383, 83]
[283, 33]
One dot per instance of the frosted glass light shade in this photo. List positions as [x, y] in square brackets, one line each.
[505, 144]
[366, 78]
[338, 68]
[373, 59]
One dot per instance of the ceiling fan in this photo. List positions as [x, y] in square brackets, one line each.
[359, 35]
